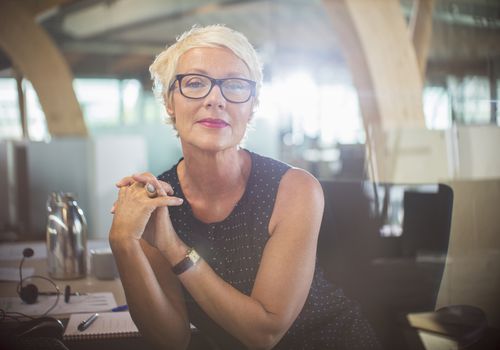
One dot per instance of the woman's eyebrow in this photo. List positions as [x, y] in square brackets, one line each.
[227, 75]
[195, 70]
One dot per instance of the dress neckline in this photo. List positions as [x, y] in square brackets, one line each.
[242, 199]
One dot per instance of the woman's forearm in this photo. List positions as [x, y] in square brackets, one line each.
[243, 316]
[255, 320]
[157, 317]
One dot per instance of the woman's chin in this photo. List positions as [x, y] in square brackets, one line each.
[212, 141]
[214, 144]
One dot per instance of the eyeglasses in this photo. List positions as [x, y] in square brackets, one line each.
[197, 86]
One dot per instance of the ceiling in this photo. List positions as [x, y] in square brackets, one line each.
[119, 38]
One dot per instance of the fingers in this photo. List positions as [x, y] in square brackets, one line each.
[161, 187]
[165, 201]
[138, 189]
[126, 181]
[166, 187]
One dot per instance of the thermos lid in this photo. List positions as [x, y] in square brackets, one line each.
[60, 199]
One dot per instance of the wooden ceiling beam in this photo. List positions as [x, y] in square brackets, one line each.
[421, 30]
[38, 59]
[374, 39]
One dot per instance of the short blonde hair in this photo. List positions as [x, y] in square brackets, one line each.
[163, 69]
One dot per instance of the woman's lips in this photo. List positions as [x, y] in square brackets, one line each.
[213, 123]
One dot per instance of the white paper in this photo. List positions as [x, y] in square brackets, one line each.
[91, 302]
[12, 273]
[107, 323]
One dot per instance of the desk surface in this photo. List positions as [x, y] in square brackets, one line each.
[89, 284]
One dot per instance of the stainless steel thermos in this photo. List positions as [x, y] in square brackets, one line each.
[66, 237]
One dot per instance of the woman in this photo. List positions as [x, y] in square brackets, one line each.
[229, 242]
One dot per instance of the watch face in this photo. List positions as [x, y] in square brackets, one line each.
[194, 256]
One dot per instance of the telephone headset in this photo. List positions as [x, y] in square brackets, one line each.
[33, 332]
[29, 293]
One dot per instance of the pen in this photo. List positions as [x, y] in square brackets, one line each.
[120, 308]
[86, 324]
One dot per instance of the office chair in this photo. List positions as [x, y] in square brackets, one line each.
[385, 245]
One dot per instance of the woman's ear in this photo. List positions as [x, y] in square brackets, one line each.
[170, 110]
[168, 101]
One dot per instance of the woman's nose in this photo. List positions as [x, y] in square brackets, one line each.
[215, 98]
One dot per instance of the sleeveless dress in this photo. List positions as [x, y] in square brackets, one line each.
[233, 248]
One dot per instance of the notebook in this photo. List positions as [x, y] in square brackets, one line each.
[107, 325]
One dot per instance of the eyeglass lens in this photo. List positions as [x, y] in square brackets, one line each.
[199, 86]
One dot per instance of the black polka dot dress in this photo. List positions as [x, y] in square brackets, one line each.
[234, 247]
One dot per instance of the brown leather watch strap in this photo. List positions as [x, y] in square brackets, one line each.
[189, 260]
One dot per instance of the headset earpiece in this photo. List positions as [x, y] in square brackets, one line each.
[28, 252]
[29, 294]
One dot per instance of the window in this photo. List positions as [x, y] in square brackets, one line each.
[105, 103]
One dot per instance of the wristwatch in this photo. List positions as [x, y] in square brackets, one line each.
[189, 260]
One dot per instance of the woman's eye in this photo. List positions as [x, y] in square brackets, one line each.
[236, 85]
[194, 84]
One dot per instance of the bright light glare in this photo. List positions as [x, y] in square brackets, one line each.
[99, 99]
[301, 93]
[339, 115]
[436, 108]
[37, 124]
[296, 98]
[10, 126]
[131, 89]
[330, 112]
[267, 102]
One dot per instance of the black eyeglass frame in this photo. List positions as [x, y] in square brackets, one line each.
[213, 82]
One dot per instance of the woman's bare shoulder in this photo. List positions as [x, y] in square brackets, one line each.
[299, 194]
[299, 184]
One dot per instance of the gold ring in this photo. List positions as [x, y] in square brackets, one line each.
[151, 191]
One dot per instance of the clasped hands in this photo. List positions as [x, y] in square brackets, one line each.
[141, 210]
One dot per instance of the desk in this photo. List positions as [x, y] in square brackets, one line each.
[88, 284]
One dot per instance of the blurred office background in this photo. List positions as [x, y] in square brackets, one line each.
[316, 111]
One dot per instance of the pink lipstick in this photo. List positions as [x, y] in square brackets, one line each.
[213, 123]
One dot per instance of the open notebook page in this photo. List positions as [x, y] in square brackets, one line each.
[107, 325]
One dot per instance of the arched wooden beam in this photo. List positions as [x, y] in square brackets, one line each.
[38, 59]
[374, 38]
[421, 30]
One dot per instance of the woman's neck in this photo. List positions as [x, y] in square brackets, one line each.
[214, 174]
